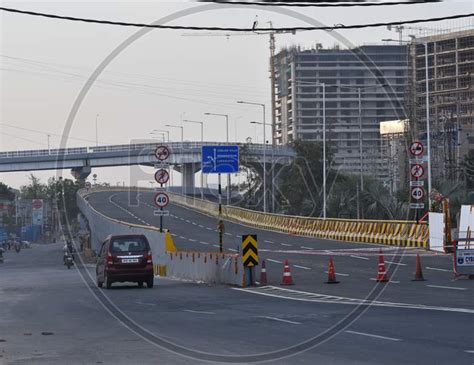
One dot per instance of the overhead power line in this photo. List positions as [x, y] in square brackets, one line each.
[326, 4]
[230, 29]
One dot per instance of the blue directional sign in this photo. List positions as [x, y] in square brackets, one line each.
[220, 159]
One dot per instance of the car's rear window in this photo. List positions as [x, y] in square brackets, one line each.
[129, 244]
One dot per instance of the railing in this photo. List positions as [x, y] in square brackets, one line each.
[176, 146]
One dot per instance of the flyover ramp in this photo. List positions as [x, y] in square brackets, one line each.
[356, 263]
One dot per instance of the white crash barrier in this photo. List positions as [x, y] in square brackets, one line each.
[437, 231]
[206, 267]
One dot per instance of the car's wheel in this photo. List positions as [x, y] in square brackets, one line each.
[99, 283]
[140, 284]
[149, 283]
[108, 282]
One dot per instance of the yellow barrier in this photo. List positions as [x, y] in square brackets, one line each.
[395, 233]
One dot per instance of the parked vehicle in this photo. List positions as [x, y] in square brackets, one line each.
[125, 258]
[1, 254]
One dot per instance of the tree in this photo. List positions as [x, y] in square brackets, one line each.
[6, 192]
[34, 190]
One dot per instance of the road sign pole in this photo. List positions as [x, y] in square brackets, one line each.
[220, 223]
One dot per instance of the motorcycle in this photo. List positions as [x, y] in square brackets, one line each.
[68, 260]
[17, 247]
[1, 255]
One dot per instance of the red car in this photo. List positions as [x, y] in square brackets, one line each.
[125, 258]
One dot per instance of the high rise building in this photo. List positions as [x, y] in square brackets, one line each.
[450, 78]
[363, 87]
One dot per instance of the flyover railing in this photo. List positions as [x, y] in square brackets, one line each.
[177, 146]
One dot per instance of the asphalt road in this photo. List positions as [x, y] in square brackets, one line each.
[51, 315]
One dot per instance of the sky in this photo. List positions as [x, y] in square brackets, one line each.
[161, 78]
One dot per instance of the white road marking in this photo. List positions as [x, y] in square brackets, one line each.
[302, 267]
[237, 236]
[216, 246]
[306, 248]
[228, 234]
[437, 269]
[285, 244]
[469, 351]
[339, 273]
[209, 229]
[275, 261]
[395, 263]
[192, 240]
[446, 287]
[201, 226]
[174, 234]
[279, 319]
[232, 249]
[204, 243]
[198, 312]
[371, 335]
[389, 282]
[141, 303]
[188, 221]
[267, 241]
[359, 257]
[302, 296]
[183, 238]
[194, 223]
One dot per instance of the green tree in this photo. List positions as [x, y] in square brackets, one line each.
[34, 190]
[6, 192]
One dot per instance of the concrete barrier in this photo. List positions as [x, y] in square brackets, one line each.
[209, 267]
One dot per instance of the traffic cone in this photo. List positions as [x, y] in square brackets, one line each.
[263, 274]
[331, 272]
[418, 271]
[287, 279]
[382, 273]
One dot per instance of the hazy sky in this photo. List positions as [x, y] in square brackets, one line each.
[162, 77]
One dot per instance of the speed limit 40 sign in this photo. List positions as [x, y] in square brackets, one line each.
[417, 193]
[161, 200]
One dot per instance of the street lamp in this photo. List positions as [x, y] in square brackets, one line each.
[162, 131]
[427, 98]
[177, 126]
[202, 142]
[160, 134]
[227, 140]
[323, 85]
[264, 158]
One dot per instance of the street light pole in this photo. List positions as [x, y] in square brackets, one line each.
[227, 140]
[96, 131]
[202, 143]
[163, 131]
[264, 155]
[323, 85]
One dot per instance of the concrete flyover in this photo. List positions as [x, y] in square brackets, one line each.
[185, 157]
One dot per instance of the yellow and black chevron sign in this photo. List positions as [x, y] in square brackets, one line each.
[249, 250]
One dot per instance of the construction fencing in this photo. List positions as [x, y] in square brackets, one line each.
[396, 233]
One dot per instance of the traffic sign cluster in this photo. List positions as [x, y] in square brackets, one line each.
[161, 199]
[417, 172]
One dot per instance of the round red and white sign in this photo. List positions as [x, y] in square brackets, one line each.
[417, 171]
[162, 153]
[162, 176]
[37, 203]
[416, 148]
[161, 200]
[417, 193]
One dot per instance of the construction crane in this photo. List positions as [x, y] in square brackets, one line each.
[400, 28]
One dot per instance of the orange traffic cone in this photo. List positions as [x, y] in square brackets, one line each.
[263, 274]
[331, 272]
[287, 279]
[382, 273]
[418, 271]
